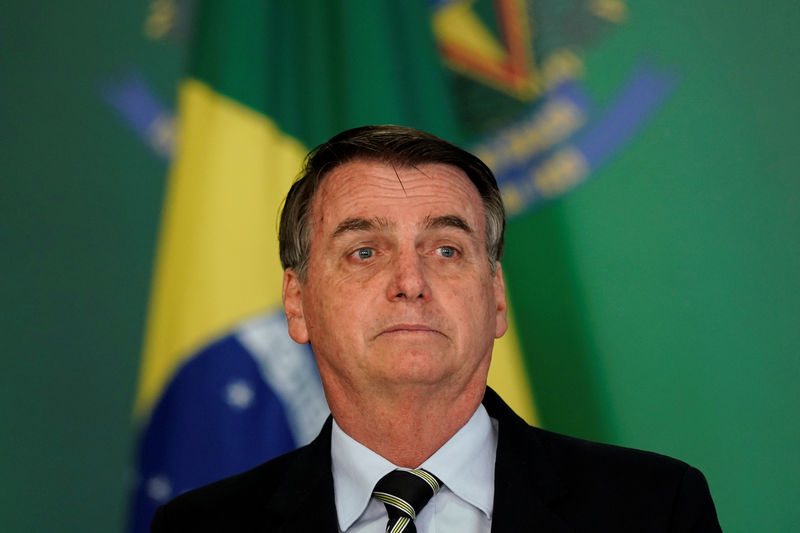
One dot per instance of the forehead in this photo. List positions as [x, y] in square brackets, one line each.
[377, 189]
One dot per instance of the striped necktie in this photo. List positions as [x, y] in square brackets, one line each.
[405, 493]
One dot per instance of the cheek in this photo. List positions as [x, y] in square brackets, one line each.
[335, 314]
[479, 309]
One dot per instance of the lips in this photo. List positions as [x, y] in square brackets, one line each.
[398, 329]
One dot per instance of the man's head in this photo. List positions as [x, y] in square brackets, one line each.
[390, 243]
[396, 146]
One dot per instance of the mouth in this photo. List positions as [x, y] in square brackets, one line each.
[410, 329]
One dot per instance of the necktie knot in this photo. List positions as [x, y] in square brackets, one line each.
[405, 493]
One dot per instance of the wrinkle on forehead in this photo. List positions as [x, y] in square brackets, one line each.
[356, 172]
[362, 182]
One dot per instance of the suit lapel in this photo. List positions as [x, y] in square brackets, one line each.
[304, 501]
[525, 482]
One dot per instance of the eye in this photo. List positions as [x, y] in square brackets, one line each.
[446, 251]
[363, 253]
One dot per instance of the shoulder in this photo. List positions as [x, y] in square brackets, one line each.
[582, 454]
[574, 459]
[626, 486]
[225, 502]
[599, 486]
[240, 502]
[594, 463]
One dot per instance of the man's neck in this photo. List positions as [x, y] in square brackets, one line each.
[407, 424]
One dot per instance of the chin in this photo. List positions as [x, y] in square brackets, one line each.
[422, 369]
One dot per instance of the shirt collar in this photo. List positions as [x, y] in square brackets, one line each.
[465, 464]
[356, 469]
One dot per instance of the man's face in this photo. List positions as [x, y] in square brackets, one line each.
[399, 288]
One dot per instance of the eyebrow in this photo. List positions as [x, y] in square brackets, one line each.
[361, 224]
[381, 224]
[447, 221]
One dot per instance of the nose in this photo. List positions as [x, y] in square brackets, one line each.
[409, 281]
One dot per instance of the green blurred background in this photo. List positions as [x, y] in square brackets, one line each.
[658, 304]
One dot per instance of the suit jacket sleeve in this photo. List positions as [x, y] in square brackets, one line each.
[694, 510]
[159, 523]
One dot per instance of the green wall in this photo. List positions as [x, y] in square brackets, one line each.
[658, 304]
[665, 293]
[79, 208]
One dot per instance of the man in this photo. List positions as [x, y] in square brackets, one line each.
[391, 243]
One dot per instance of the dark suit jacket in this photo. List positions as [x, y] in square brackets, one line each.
[544, 482]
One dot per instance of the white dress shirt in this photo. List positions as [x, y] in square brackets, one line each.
[465, 464]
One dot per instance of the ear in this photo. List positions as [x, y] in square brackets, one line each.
[501, 320]
[293, 306]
